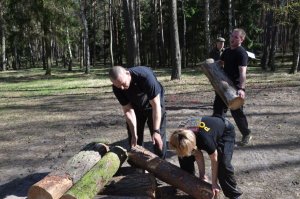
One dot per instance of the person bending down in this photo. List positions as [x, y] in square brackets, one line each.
[216, 136]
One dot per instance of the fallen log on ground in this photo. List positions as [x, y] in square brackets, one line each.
[95, 179]
[170, 173]
[137, 184]
[56, 183]
[223, 86]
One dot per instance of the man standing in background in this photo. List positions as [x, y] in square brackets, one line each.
[216, 52]
[234, 61]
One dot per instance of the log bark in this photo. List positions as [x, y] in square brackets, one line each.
[223, 86]
[170, 173]
[95, 179]
[137, 184]
[56, 183]
[121, 197]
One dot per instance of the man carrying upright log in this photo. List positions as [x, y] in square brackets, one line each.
[142, 98]
[216, 136]
[235, 60]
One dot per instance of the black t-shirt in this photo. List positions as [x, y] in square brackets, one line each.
[233, 58]
[143, 87]
[208, 131]
[215, 53]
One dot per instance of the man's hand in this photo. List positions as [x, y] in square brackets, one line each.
[241, 93]
[204, 178]
[156, 139]
[215, 189]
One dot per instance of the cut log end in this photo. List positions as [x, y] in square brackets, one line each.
[236, 103]
[209, 61]
[68, 196]
[38, 192]
[50, 187]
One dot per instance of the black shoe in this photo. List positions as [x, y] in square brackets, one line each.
[246, 140]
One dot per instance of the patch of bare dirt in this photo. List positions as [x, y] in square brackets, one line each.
[41, 133]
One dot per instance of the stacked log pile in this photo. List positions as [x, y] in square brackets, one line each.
[92, 174]
[56, 183]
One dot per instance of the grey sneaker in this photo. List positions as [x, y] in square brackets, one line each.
[246, 140]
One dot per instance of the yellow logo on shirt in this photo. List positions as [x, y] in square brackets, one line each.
[194, 123]
[203, 126]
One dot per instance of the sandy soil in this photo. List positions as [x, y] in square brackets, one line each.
[43, 132]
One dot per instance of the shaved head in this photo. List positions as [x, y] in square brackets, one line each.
[120, 77]
[116, 71]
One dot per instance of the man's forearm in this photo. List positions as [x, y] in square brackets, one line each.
[200, 162]
[156, 112]
[214, 167]
[131, 121]
[242, 78]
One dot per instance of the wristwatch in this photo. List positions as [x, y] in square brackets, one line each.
[156, 131]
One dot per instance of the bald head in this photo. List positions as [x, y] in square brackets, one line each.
[116, 71]
[120, 77]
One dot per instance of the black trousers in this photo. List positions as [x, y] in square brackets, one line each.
[220, 108]
[225, 169]
[146, 116]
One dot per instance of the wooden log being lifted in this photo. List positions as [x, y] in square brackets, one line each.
[95, 179]
[170, 173]
[56, 183]
[223, 86]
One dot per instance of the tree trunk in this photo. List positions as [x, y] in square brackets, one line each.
[271, 63]
[183, 37]
[111, 35]
[207, 31]
[267, 40]
[86, 49]
[162, 52]
[95, 179]
[137, 184]
[296, 47]
[170, 173]
[118, 38]
[230, 16]
[3, 48]
[154, 34]
[56, 183]
[133, 56]
[47, 44]
[175, 48]
[2, 33]
[222, 84]
[69, 53]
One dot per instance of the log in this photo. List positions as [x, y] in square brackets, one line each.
[170, 173]
[95, 179]
[120, 197]
[136, 184]
[223, 86]
[56, 183]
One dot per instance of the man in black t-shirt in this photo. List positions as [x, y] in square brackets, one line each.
[142, 98]
[235, 60]
[216, 136]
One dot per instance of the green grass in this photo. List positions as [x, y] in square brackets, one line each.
[34, 83]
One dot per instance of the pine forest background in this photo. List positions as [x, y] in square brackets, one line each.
[171, 34]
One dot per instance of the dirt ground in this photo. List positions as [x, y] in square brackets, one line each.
[43, 132]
